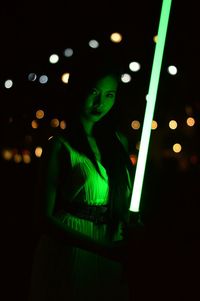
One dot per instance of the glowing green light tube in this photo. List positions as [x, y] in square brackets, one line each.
[150, 106]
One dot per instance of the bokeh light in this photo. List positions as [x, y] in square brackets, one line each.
[172, 70]
[7, 154]
[8, 83]
[54, 58]
[116, 37]
[63, 124]
[125, 78]
[43, 79]
[173, 124]
[32, 76]
[134, 66]
[68, 52]
[155, 38]
[54, 122]
[39, 114]
[135, 124]
[133, 158]
[177, 147]
[154, 125]
[34, 124]
[65, 77]
[190, 121]
[93, 43]
[38, 151]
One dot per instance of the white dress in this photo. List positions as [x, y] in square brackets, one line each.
[70, 273]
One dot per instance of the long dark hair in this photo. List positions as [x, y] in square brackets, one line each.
[115, 158]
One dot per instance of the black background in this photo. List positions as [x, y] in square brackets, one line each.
[29, 33]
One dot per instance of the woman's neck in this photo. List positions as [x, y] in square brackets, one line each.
[88, 127]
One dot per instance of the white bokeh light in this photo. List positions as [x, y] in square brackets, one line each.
[134, 66]
[93, 43]
[8, 83]
[68, 52]
[172, 70]
[54, 58]
[43, 79]
[32, 76]
[125, 78]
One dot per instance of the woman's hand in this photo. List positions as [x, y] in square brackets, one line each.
[134, 229]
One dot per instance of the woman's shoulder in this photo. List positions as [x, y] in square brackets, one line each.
[58, 139]
[55, 143]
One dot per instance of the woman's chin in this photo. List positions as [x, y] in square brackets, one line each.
[96, 117]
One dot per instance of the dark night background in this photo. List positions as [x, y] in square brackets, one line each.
[168, 262]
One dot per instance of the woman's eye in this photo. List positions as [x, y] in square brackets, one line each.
[110, 95]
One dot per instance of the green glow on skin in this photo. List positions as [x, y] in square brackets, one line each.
[150, 106]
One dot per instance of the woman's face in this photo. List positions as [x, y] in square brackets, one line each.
[100, 99]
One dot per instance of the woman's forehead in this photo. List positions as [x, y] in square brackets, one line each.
[107, 81]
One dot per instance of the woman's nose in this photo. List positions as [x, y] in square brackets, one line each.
[98, 99]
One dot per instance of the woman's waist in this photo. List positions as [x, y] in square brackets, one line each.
[94, 213]
[92, 220]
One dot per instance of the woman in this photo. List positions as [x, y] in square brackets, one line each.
[86, 184]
